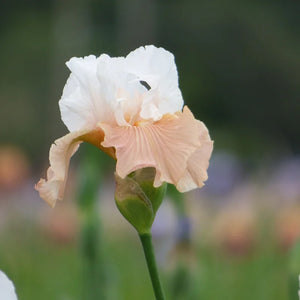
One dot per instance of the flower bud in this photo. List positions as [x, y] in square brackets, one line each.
[137, 199]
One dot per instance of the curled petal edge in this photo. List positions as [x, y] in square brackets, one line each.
[61, 151]
[196, 172]
[178, 146]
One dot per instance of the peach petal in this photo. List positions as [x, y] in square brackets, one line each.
[60, 154]
[197, 165]
[169, 145]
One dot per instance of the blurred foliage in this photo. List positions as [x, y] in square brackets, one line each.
[93, 263]
[238, 64]
[294, 269]
[45, 270]
[239, 71]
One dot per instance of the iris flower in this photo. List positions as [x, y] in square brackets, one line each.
[7, 289]
[131, 108]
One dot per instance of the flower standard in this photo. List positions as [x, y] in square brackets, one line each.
[132, 109]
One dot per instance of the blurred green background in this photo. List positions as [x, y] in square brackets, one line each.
[239, 72]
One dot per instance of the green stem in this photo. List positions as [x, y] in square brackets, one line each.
[93, 270]
[146, 240]
[93, 265]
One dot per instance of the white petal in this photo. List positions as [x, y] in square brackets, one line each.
[152, 64]
[7, 289]
[120, 88]
[83, 102]
[109, 90]
[156, 66]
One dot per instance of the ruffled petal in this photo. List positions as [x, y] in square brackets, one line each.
[60, 154]
[112, 90]
[88, 99]
[197, 165]
[167, 145]
[157, 67]
[121, 89]
[81, 98]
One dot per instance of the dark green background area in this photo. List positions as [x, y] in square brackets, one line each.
[238, 63]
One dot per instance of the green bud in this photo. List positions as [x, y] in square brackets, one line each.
[137, 199]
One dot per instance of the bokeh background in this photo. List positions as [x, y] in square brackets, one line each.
[239, 72]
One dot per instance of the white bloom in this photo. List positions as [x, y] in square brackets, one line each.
[109, 90]
[131, 108]
[7, 289]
